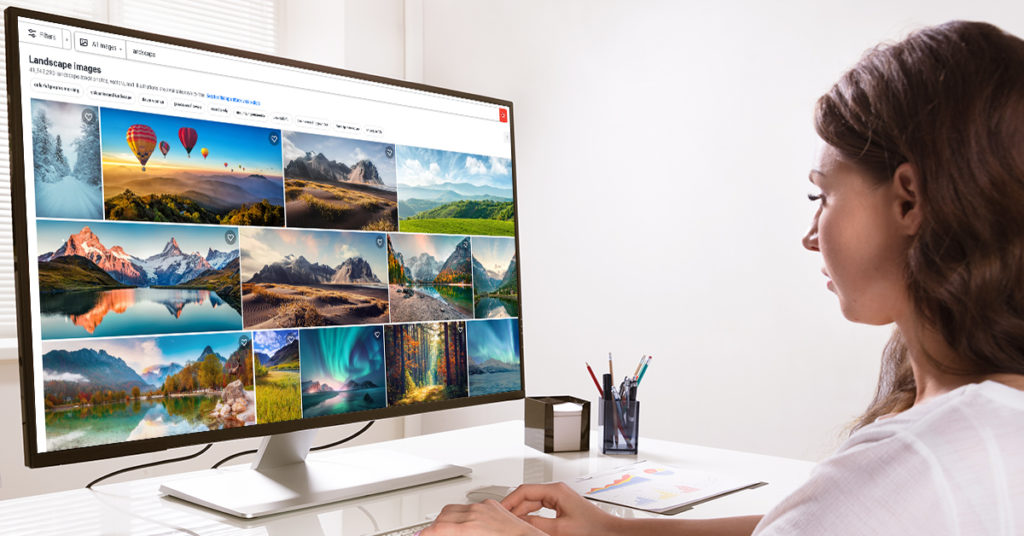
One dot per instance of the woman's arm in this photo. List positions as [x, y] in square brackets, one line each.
[575, 516]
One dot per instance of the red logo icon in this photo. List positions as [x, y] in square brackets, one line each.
[503, 115]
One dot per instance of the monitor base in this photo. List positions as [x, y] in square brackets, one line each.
[271, 488]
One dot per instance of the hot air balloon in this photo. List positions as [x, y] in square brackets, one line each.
[225, 164]
[164, 147]
[205, 152]
[188, 139]
[142, 140]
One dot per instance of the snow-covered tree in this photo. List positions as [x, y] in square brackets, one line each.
[43, 148]
[60, 162]
[87, 153]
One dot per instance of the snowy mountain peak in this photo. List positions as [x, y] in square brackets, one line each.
[171, 248]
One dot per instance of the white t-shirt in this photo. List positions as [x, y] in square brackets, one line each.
[951, 465]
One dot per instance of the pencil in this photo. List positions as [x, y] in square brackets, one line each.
[593, 377]
[610, 371]
[638, 365]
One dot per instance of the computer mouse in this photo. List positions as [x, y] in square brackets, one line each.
[488, 492]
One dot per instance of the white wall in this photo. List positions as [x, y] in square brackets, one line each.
[662, 156]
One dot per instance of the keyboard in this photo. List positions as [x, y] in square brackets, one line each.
[411, 530]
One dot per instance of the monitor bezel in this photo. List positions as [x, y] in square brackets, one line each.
[23, 291]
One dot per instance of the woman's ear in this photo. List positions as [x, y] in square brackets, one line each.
[906, 185]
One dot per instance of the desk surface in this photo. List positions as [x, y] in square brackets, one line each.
[495, 452]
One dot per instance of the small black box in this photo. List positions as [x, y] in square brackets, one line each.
[539, 416]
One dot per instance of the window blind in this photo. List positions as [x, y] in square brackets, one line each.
[246, 24]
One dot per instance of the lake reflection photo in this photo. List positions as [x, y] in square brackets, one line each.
[109, 279]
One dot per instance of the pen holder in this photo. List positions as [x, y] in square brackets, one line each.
[620, 421]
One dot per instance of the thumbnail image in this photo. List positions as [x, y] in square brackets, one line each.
[109, 279]
[173, 169]
[495, 278]
[297, 278]
[277, 375]
[429, 278]
[493, 356]
[339, 183]
[454, 193]
[342, 370]
[66, 160]
[102, 391]
[426, 362]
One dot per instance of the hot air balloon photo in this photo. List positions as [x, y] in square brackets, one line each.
[141, 139]
[188, 137]
[164, 147]
[179, 189]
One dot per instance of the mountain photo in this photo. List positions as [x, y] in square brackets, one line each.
[277, 375]
[429, 277]
[105, 279]
[445, 192]
[426, 362]
[495, 278]
[494, 356]
[212, 172]
[339, 183]
[66, 160]
[102, 391]
[304, 278]
[342, 370]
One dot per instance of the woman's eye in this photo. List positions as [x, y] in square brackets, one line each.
[815, 197]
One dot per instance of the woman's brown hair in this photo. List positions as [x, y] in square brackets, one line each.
[949, 100]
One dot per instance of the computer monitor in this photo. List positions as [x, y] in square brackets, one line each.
[214, 244]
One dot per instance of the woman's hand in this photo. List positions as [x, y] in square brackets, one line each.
[483, 518]
[575, 516]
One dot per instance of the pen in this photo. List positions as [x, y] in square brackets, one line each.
[644, 371]
[594, 377]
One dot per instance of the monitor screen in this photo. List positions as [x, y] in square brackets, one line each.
[213, 244]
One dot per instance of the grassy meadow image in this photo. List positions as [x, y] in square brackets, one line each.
[107, 279]
[171, 169]
[339, 183]
[446, 192]
[426, 362]
[277, 375]
[104, 391]
[494, 357]
[429, 277]
[495, 278]
[342, 370]
[305, 278]
[66, 160]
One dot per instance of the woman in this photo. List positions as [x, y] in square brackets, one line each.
[920, 223]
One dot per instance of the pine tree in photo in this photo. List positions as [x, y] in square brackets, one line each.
[60, 161]
[87, 154]
[43, 148]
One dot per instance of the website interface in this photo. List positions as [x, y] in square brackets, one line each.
[223, 242]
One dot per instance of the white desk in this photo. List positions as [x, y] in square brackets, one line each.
[496, 454]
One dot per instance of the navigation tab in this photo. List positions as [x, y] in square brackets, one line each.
[111, 94]
[104, 46]
[219, 110]
[187, 105]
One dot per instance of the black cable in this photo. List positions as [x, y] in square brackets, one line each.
[321, 447]
[145, 465]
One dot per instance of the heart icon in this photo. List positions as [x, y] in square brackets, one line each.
[376, 334]
[230, 237]
[88, 116]
[380, 242]
[273, 138]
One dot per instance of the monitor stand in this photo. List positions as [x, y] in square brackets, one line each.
[281, 479]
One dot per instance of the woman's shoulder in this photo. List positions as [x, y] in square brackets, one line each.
[988, 408]
[946, 465]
